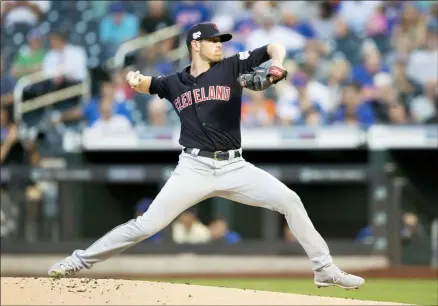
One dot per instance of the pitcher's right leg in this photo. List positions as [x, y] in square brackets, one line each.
[188, 185]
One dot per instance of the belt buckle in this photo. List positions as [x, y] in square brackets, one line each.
[217, 157]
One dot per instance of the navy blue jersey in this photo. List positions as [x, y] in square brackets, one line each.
[209, 106]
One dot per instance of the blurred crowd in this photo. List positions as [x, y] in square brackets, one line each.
[188, 228]
[349, 62]
[354, 63]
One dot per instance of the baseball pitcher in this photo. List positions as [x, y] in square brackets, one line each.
[207, 98]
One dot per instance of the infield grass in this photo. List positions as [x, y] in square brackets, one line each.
[414, 291]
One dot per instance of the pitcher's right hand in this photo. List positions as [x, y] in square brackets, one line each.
[134, 78]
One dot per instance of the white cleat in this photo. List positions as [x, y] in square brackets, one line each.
[64, 268]
[333, 276]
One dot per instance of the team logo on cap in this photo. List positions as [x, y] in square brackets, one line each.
[196, 35]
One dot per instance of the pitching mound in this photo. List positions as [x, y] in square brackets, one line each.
[85, 291]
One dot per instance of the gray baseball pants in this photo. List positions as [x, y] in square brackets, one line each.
[197, 178]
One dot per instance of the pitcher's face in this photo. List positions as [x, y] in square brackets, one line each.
[210, 50]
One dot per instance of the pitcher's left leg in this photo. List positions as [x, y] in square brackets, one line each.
[253, 186]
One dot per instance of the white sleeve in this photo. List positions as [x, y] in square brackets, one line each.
[92, 135]
[76, 66]
[178, 233]
[49, 64]
[200, 234]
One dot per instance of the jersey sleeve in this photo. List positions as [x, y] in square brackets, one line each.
[246, 60]
[160, 86]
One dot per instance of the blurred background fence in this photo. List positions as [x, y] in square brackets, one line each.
[353, 130]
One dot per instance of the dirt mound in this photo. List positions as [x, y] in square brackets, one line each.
[85, 291]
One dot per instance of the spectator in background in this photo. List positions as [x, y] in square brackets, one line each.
[424, 108]
[315, 70]
[19, 152]
[220, 232]
[316, 92]
[90, 110]
[257, 110]
[234, 9]
[117, 27]
[411, 229]
[411, 25]
[66, 58]
[403, 49]
[353, 111]
[347, 42]
[23, 12]
[378, 22]
[397, 114]
[407, 89]
[152, 60]
[29, 58]
[312, 64]
[290, 20]
[372, 64]
[244, 22]
[273, 32]
[297, 111]
[383, 96]
[314, 118]
[157, 18]
[188, 13]
[122, 91]
[434, 10]
[338, 75]
[377, 30]
[7, 84]
[157, 112]
[423, 62]
[109, 127]
[303, 10]
[324, 22]
[392, 9]
[357, 13]
[188, 229]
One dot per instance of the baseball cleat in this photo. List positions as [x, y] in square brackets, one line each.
[64, 268]
[336, 277]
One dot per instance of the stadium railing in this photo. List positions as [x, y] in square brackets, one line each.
[141, 42]
[21, 107]
[84, 88]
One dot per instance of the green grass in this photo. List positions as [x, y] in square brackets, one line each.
[415, 291]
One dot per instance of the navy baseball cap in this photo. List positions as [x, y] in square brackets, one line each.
[205, 30]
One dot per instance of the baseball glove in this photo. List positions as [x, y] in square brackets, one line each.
[259, 77]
